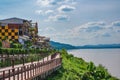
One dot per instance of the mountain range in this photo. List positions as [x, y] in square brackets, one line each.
[58, 45]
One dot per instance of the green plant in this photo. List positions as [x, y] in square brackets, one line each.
[0, 44]
[16, 45]
[74, 68]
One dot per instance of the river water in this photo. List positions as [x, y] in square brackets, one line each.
[109, 58]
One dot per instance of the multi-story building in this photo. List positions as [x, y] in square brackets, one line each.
[22, 30]
[16, 29]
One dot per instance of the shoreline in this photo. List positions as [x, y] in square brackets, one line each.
[107, 58]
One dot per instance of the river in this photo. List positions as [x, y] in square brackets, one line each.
[109, 58]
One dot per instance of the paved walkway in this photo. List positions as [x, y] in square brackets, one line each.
[45, 67]
[20, 65]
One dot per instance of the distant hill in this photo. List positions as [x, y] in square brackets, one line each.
[100, 46]
[59, 45]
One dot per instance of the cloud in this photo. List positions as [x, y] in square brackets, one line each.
[118, 31]
[58, 18]
[46, 3]
[116, 23]
[49, 29]
[106, 35]
[55, 2]
[40, 12]
[43, 2]
[88, 33]
[89, 27]
[54, 10]
[115, 26]
[94, 30]
[66, 8]
[48, 11]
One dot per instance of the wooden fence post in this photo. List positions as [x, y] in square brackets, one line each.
[25, 72]
[3, 75]
[21, 73]
[18, 73]
[12, 63]
[9, 74]
[13, 70]
[28, 72]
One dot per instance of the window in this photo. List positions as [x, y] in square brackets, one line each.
[3, 27]
[16, 33]
[13, 37]
[3, 34]
[12, 30]
[9, 34]
[20, 32]
[6, 30]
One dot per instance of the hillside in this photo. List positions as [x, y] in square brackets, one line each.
[58, 45]
[74, 68]
[100, 46]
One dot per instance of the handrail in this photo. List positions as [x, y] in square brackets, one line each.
[30, 71]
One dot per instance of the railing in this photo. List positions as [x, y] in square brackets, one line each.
[31, 71]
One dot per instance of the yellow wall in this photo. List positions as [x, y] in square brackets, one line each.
[5, 31]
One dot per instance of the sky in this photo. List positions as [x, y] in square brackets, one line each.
[76, 22]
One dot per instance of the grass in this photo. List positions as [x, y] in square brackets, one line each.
[74, 68]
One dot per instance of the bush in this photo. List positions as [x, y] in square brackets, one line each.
[16, 45]
[0, 44]
[74, 68]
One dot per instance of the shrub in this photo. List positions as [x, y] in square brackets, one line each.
[0, 44]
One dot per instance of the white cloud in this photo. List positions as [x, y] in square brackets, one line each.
[48, 11]
[100, 35]
[115, 26]
[43, 2]
[40, 12]
[106, 35]
[58, 18]
[89, 27]
[116, 23]
[48, 29]
[66, 8]
[46, 3]
[51, 9]
[94, 30]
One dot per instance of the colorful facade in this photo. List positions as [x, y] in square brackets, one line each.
[9, 33]
[21, 30]
[15, 28]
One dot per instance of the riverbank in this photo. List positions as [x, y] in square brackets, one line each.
[74, 68]
[109, 58]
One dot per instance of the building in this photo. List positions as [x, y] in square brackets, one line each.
[43, 41]
[21, 30]
[17, 29]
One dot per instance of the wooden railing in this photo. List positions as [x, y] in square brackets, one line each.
[31, 71]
